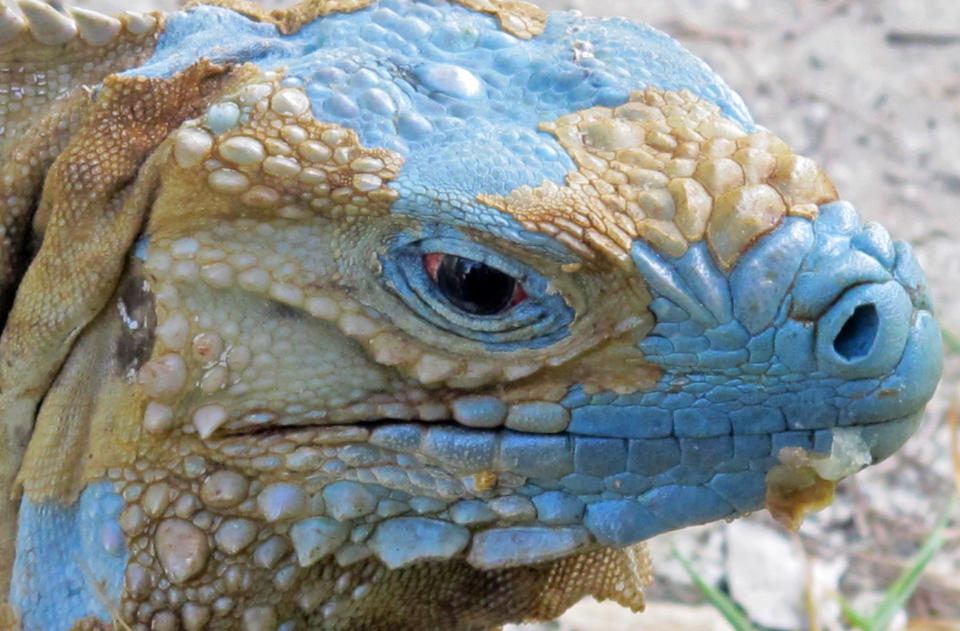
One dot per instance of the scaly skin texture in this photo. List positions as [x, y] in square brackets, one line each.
[395, 315]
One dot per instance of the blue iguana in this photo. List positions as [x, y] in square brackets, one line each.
[397, 314]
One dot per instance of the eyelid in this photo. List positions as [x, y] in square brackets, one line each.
[473, 251]
[537, 317]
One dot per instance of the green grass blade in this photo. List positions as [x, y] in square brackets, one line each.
[951, 341]
[721, 602]
[851, 614]
[902, 589]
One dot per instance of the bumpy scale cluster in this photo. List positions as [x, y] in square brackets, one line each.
[226, 549]
[264, 147]
[671, 169]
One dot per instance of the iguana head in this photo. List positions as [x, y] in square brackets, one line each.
[338, 304]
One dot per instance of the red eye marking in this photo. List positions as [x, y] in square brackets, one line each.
[519, 295]
[431, 263]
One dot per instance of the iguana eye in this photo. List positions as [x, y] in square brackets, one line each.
[473, 291]
[472, 286]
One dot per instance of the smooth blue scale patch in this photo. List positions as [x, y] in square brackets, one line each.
[63, 552]
[471, 512]
[534, 456]
[509, 547]
[599, 457]
[480, 411]
[556, 507]
[460, 447]
[621, 421]
[739, 489]
[707, 453]
[621, 522]
[448, 89]
[347, 500]
[653, 456]
[764, 275]
[405, 540]
[685, 505]
[425, 505]
[700, 422]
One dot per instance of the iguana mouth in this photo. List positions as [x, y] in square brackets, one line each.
[320, 431]
[334, 433]
[478, 412]
[438, 443]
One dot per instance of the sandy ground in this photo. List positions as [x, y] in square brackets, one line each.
[871, 90]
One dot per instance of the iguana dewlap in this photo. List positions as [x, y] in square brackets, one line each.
[396, 314]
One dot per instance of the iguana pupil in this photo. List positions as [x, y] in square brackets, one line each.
[472, 286]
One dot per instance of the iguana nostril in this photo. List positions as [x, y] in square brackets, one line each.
[857, 335]
[864, 334]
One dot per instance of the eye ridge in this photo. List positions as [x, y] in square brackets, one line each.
[473, 286]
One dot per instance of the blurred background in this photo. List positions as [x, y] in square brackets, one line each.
[871, 90]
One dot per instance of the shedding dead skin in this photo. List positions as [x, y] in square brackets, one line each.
[804, 482]
[795, 488]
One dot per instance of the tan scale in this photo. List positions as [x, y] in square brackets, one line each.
[671, 169]
[279, 162]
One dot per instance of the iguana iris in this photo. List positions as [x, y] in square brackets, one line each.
[395, 314]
